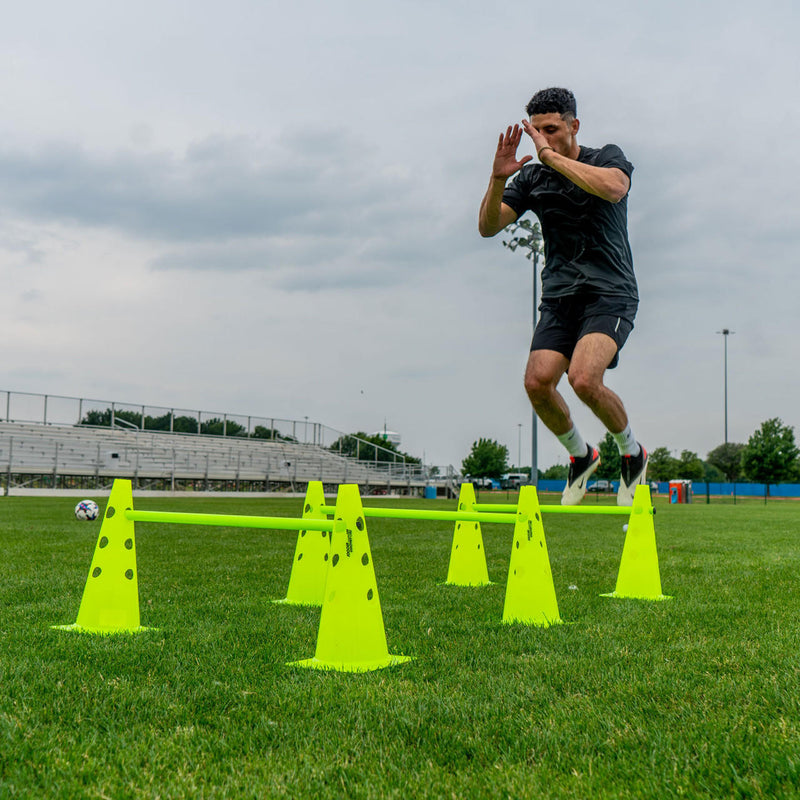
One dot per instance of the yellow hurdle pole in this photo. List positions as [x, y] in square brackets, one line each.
[444, 516]
[230, 520]
[512, 509]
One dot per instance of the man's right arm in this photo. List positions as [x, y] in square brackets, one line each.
[495, 214]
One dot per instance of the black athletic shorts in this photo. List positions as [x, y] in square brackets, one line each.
[564, 320]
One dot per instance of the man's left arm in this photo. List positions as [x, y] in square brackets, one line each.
[608, 183]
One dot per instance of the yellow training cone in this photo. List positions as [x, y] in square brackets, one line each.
[638, 576]
[351, 636]
[311, 555]
[530, 594]
[467, 556]
[110, 601]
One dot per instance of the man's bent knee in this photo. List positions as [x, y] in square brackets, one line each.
[538, 390]
[543, 373]
[587, 387]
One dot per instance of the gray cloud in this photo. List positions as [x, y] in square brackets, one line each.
[219, 188]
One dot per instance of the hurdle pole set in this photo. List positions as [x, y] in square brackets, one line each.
[332, 565]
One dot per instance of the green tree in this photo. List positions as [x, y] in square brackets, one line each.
[262, 432]
[487, 459]
[728, 459]
[218, 427]
[610, 459]
[103, 418]
[98, 418]
[184, 424]
[157, 423]
[712, 473]
[690, 466]
[661, 466]
[771, 455]
[558, 472]
[370, 448]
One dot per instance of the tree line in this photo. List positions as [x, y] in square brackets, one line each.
[371, 447]
[363, 446]
[769, 456]
[182, 424]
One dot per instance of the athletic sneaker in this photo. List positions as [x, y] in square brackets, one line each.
[634, 472]
[580, 469]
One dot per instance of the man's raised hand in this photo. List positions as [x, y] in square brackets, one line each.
[505, 159]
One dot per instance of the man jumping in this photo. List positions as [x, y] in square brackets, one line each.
[589, 291]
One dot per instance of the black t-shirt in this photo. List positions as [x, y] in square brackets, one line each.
[586, 247]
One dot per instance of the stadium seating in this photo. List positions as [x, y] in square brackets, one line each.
[56, 455]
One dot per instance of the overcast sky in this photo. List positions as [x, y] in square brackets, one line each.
[270, 209]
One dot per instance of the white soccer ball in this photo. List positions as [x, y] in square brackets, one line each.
[87, 510]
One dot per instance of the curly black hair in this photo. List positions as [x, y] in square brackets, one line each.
[549, 101]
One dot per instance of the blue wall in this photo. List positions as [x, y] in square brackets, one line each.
[699, 488]
[746, 489]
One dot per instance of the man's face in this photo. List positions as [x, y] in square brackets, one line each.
[559, 132]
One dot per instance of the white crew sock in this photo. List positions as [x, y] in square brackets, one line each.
[574, 442]
[626, 442]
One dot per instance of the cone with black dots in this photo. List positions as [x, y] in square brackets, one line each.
[110, 602]
[311, 555]
[467, 556]
[530, 594]
[351, 635]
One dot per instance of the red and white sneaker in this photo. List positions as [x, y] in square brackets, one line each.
[634, 472]
[580, 470]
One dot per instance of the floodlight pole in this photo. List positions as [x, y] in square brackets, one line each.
[530, 243]
[534, 419]
[725, 333]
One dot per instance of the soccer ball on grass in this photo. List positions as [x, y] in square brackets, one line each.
[87, 510]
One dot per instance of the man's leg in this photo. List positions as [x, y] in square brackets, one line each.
[542, 375]
[593, 353]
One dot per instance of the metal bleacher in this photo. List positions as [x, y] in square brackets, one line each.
[80, 456]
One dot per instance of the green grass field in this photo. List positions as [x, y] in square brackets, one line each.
[696, 697]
